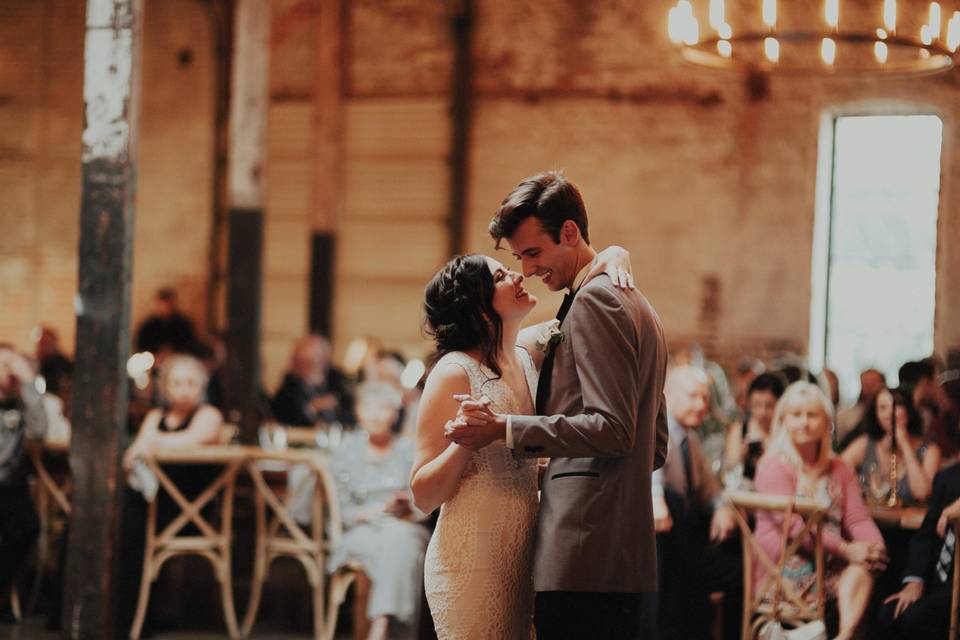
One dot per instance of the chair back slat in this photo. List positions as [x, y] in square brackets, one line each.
[776, 599]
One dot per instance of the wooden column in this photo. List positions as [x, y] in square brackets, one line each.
[462, 97]
[110, 88]
[328, 118]
[248, 125]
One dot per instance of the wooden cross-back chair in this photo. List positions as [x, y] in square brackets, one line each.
[52, 500]
[279, 535]
[775, 599]
[212, 543]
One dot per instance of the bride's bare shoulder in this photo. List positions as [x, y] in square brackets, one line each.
[448, 373]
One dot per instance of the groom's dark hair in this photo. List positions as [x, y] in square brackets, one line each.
[550, 198]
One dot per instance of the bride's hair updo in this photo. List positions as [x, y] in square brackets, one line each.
[458, 302]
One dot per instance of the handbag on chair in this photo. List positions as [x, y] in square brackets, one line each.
[774, 630]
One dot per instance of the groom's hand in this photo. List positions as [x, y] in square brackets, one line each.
[476, 425]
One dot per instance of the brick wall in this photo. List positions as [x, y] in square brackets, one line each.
[707, 179]
[41, 119]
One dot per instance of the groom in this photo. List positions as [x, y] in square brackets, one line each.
[601, 419]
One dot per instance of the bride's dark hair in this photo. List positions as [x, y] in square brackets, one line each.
[459, 310]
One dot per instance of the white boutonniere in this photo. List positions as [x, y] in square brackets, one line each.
[550, 336]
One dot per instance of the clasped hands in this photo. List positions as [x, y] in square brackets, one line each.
[476, 424]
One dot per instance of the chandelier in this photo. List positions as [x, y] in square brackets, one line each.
[814, 37]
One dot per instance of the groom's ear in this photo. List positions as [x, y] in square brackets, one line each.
[570, 233]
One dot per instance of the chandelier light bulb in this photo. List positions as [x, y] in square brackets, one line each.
[933, 48]
[828, 51]
[934, 20]
[716, 14]
[880, 51]
[675, 24]
[770, 13]
[953, 32]
[890, 15]
[831, 13]
[771, 49]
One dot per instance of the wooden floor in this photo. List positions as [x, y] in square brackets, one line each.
[34, 630]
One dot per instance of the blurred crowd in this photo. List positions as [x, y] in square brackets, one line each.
[771, 427]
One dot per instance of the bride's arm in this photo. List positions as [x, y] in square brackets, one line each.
[439, 463]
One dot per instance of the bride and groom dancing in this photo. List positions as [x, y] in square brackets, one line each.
[589, 396]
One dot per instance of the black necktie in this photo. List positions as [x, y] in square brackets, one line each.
[687, 465]
[543, 387]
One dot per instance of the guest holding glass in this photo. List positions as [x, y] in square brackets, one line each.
[371, 468]
[747, 440]
[893, 428]
[800, 463]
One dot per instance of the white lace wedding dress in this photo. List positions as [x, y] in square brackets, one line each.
[479, 565]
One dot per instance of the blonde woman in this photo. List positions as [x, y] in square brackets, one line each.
[800, 462]
[184, 420]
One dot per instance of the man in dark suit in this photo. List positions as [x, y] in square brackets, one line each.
[601, 420]
[921, 609]
[312, 390]
[695, 528]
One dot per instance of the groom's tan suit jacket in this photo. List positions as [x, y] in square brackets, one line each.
[605, 431]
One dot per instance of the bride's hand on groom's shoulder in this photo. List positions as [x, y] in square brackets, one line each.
[615, 262]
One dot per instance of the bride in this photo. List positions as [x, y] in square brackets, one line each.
[478, 568]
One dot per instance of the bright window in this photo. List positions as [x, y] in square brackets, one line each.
[875, 247]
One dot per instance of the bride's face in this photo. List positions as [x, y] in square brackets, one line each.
[510, 299]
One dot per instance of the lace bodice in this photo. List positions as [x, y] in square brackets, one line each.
[479, 566]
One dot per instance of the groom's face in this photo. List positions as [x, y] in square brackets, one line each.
[552, 262]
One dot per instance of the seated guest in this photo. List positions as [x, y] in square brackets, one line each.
[183, 421]
[946, 426]
[372, 471]
[871, 382]
[388, 367]
[922, 608]
[918, 382]
[312, 389]
[692, 520]
[870, 453]
[831, 382]
[746, 441]
[22, 416]
[800, 463]
[54, 366]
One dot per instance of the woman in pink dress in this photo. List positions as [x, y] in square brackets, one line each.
[801, 463]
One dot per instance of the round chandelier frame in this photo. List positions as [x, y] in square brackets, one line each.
[825, 51]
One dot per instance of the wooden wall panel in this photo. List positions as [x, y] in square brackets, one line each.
[393, 232]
